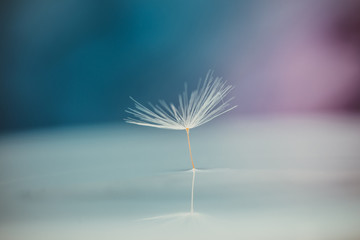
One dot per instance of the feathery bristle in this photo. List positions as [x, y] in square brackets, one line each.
[204, 104]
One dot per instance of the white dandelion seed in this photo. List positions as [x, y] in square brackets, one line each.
[205, 103]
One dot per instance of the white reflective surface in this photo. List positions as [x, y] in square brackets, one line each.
[257, 179]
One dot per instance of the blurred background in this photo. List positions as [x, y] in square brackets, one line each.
[75, 62]
[283, 164]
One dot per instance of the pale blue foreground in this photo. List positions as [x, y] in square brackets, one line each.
[261, 178]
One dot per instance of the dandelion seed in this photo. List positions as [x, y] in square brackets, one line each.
[205, 103]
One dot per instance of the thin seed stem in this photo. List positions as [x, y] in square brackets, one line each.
[188, 136]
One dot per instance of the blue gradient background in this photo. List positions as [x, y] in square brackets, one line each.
[77, 62]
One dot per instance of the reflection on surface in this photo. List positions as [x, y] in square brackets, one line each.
[180, 214]
[192, 191]
[266, 180]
